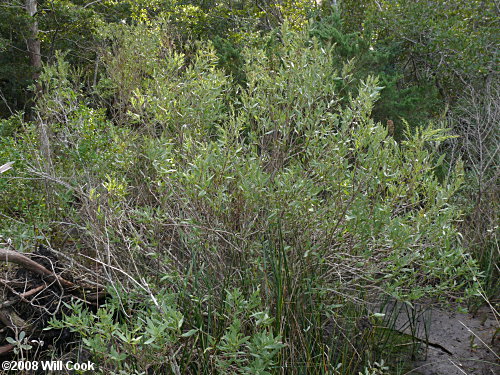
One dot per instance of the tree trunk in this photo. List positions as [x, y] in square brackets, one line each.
[33, 42]
[35, 57]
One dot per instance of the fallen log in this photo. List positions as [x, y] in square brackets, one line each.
[10, 319]
[35, 297]
[12, 256]
[6, 349]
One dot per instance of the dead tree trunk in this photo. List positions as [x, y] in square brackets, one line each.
[33, 41]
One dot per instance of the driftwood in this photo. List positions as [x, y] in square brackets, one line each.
[6, 167]
[11, 319]
[53, 287]
[11, 256]
[6, 349]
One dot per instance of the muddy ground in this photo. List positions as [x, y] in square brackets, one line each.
[458, 343]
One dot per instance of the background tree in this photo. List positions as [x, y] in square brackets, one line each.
[33, 43]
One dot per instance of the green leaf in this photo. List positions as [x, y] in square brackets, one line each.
[10, 340]
[190, 333]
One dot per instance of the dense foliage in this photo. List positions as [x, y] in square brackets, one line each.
[251, 179]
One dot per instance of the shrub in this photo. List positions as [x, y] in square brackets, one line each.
[250, 236]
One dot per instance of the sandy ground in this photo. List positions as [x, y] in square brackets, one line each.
[459, 343]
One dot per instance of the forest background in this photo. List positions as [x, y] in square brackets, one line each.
[248, 179]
